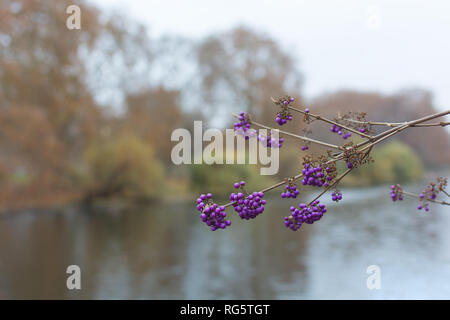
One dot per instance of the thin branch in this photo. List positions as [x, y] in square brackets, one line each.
[396, 124]
[276, 185]
[329, 145]
[318, 117]
[332, 186]
[406, 125]
[440, 124]
[431, 200]
[445, 192]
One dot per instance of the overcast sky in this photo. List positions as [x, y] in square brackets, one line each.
[366, 45]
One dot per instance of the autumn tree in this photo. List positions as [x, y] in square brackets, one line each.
[153, 114]
[241, 68]
[46, 108]
[53, 84]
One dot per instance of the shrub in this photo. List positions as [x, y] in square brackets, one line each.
[123, 167]
[394, 161]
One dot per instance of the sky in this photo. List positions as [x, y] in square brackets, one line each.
[381, 46]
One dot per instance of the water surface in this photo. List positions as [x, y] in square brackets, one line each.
[165, 252]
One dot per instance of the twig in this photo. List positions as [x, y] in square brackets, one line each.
[406, 125]
[300, 137]
[276, 185]
[445, 192]
[332, 186]
[396, 124]
[329, 145]
[431, 200]
[318, 117]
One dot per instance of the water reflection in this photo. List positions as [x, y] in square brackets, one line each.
[164, 251]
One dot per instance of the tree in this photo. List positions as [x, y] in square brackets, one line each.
[47, 111]
[240, 70]
[153, 114]
[53, 81]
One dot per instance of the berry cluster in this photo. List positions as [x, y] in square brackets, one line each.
[336, 196]
[396, 192]
[211, 213]
[423, 206]
[304, 214]
[282, 118]
[431, 192]
[340, 131]
[243, 126]
[304, 148]
[247, 206]
[291, 191]
[269, 141]
[317, 176]
[284, 115]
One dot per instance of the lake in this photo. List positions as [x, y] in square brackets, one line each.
[164, 251]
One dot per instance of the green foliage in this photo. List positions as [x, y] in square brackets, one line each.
[123, 167]
[394, 162]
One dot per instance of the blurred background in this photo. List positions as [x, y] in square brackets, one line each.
[85, 171]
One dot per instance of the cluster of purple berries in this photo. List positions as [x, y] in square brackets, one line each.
[396, 192]
[429, 193]
[243, 126]
[336, 196]
[304, 214]
[269, 141]
[340, 132]
[304, 148]
[316, 176]
[283, 116]
[291, 191]
[211, 213]
[424, 206]
[282, 119]
[247, 207]
[250, 207]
